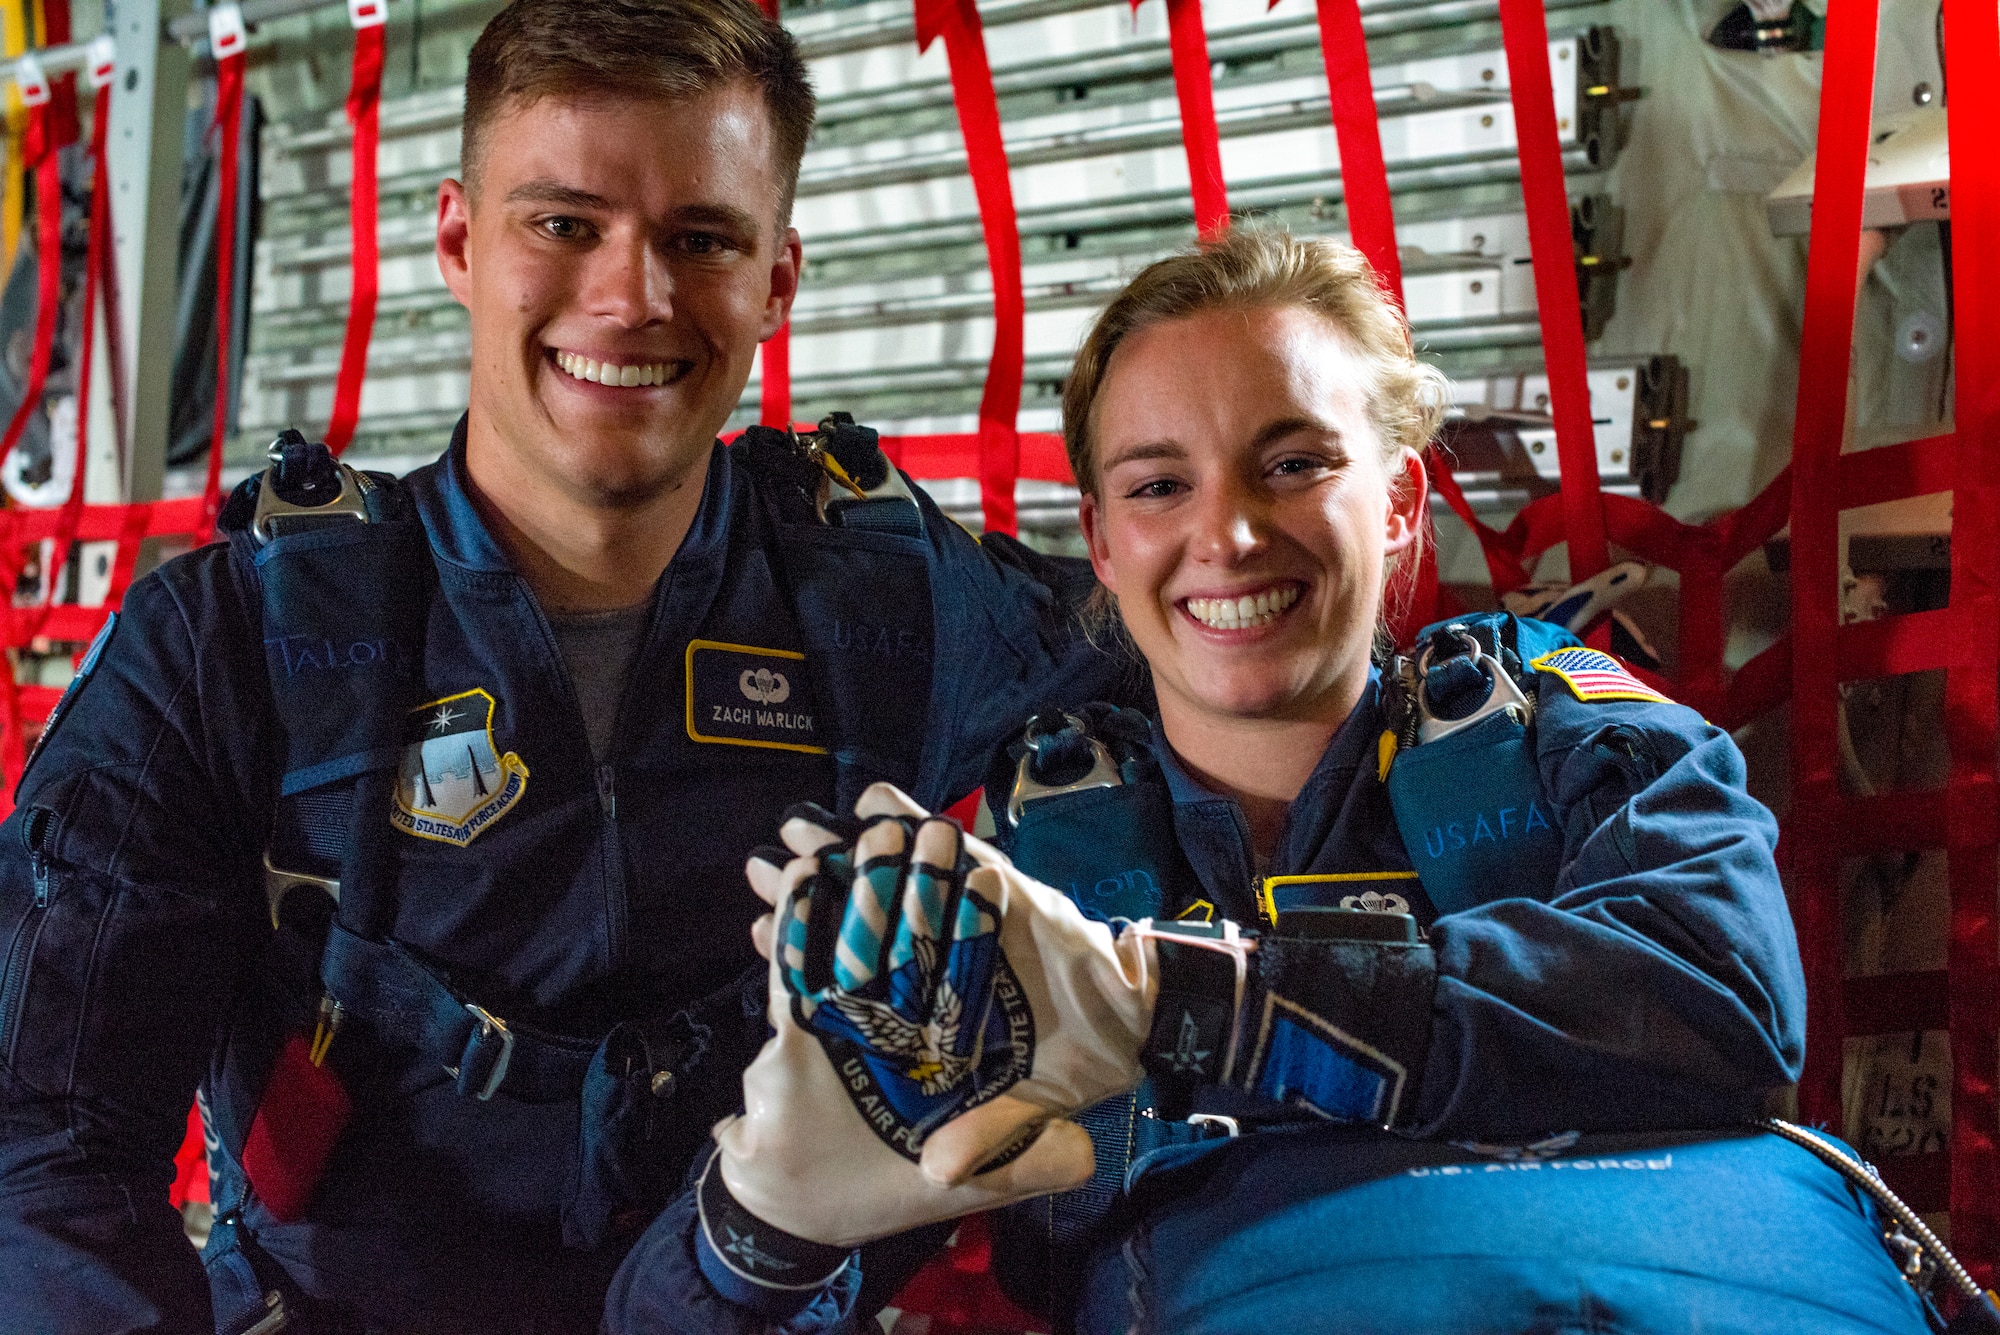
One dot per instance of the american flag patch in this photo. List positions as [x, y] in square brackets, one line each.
[1591, 675]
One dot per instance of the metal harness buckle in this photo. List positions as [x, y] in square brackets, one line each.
[1103, 772]
[1502, 694]
[489, 1025]
[274, 515]
[278, 883]
[1205, 1120]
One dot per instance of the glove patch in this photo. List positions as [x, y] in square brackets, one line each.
[932, 1026]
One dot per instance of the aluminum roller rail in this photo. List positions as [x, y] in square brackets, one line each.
[1379, 18]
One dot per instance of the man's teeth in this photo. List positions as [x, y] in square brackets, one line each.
[1252, 609]
[609, 373]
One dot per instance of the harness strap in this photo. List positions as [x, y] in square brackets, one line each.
[383, 984]
[243, 1305]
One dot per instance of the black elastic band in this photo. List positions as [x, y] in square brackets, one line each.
[1195, 1015]
[757, 1250]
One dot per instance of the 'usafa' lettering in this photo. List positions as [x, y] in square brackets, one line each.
[1506, 823]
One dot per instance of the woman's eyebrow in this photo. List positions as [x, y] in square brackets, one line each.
[1288, 426]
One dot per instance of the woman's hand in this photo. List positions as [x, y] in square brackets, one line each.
[938, 1015]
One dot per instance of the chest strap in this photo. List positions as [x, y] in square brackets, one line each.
[410, 1007]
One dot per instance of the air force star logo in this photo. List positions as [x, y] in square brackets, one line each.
[453, 781]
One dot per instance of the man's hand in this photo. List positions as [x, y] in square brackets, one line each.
[938, 1014]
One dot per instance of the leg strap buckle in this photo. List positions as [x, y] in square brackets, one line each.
[488, 1051]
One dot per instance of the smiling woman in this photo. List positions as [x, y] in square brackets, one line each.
[1246, 423]
[1495, 904]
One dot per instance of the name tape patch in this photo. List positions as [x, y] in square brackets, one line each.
[741, 695]
[1591, 675]
[1374, 891]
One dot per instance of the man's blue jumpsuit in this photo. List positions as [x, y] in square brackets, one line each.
[132, 908]
[1658, 988]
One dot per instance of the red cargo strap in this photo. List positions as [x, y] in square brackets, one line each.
[1972, 709]
[774, 376]
[364, 104]
[1414, 599]
[1825, 352]
[1364, 177]
[957, 21]
[96, 244]
[1194, 86]
[227, 42]
[1526, 35]
[39, 152]
[774, 379]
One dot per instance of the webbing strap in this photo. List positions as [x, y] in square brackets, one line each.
[364, 101]
[227, 42]
[774, 388]
[1825, 352]
[957, 21]
[774, 376]
[41, 152]
[96, 245]
[1525, 34]
[1413, 599]
[1364, 176]
[406, 1005]
[1195, 89]
[1972, 698]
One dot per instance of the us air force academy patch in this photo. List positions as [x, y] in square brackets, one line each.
[453, 782]
[740, 695]
[1591, 675]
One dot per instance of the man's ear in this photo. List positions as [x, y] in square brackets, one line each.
[1407, 487]
[454, 239]
[785, 269]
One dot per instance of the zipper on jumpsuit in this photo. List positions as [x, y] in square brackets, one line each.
[611, 848]
[615, 907]
[35, 829]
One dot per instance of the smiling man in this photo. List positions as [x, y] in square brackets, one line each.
[416, 844]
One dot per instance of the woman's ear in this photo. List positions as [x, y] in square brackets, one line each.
[1405, 510]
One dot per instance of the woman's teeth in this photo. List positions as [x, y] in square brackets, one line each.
[1252, 609]
[608, 373]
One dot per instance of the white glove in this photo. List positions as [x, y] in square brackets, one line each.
[938, 1014]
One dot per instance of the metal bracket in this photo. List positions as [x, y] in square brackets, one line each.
[1103, 773]
[278, 883]
[490, 1024]
[1503, 695]
[274, 514]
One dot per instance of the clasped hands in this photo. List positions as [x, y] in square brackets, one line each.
[937, 1015]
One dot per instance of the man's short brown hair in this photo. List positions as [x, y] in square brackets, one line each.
[671, 49]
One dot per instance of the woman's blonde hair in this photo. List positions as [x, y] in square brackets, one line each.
[1254, 268]
[1261, 268]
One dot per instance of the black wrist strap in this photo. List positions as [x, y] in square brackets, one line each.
[756, 1250]
[1194, 1019]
